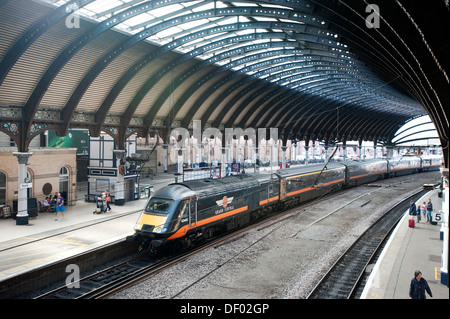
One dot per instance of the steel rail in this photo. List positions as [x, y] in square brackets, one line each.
[345, 275]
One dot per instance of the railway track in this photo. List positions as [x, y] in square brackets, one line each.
[106, 282]
[114, 278]
[344, 280]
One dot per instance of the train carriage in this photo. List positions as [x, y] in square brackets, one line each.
[310, 181]
[404, 165]
[431, 163]
[365, 171]
[268, 189]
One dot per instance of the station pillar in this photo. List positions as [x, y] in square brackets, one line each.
[180, 166]
[22, 185]
[283, 159]
[306, 154]
[119, 194]
[257, 160]
[389, 152]
[165, 147]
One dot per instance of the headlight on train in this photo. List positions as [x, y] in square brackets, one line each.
[160, 229]
[137, 226]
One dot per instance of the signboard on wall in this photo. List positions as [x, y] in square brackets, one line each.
[74, 139]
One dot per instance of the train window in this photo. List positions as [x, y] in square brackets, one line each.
[158, 206]
[182, 208]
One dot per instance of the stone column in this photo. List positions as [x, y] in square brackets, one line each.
[224, 162]
[326, 152]
[165, 147]
[22, 194]
[374, 149]
[180, 166]
[283, 158]
[306, 154]
[119, 196]
[389, 152]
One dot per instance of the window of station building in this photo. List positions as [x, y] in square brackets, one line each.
[2, 188]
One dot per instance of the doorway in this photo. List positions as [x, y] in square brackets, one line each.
[64, 175]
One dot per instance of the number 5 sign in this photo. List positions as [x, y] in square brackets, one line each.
[438, 217]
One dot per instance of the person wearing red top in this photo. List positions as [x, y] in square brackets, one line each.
[108, 199]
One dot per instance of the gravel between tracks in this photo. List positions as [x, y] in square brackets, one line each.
[284, 260]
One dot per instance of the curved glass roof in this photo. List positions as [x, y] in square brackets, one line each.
[286, 45]
[313, 69]
[417, 132]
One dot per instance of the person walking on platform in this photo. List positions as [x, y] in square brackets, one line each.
[429, 210]
[108, 199]
[418, 287]
[59, 206]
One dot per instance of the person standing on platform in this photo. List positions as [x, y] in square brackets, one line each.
[59, 206]
[418, 213]
[429, 210]
[412, 209]
[108, 199]
[418, 287]
[424, 210]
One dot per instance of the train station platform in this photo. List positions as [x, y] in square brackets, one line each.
[48, 239]
[408, 250]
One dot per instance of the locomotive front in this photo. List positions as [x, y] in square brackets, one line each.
[162, 215]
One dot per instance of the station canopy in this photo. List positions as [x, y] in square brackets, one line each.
[329, 70]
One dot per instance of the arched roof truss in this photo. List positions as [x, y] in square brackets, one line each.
[313, 69]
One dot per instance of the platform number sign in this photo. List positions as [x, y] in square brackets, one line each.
[437, 216]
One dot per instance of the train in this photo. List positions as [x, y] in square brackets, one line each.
[184, 213]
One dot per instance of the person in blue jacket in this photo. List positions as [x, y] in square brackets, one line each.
[412, 209]
[418, 287]
[429, 210]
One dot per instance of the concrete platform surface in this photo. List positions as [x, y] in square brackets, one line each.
[408, 250]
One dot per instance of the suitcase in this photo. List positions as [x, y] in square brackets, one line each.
[411, 223]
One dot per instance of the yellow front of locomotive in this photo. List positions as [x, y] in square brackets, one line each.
[162, 214]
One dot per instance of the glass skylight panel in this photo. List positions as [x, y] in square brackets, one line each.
[167, 33]
[58, 3]
[265, 19]
[103, 5]
[244, 4]
[142, 19]
[210, 5]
